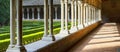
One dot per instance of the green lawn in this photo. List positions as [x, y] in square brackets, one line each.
[32, 31]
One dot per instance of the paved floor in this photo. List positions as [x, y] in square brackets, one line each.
[104, 39]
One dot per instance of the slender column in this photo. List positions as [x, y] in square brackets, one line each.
[79, 14]
[16, 14]
[87, 15]
[62, 16]
[38, 13]
[72, 14]
[99, 14]
[28, 16]
[51, 20]
[76, 14]
[56, 13]
[45, 17]
[92, 15]
[32, 13]
[82, 15]
[69, 13]
[66, 17]
[12, 24]
[84, 18]
[23, 14]
[19, 44]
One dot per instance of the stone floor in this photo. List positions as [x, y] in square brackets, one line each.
[106, 38]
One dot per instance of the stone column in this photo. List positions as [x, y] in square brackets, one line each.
[46, 13]
[19, 46]
[84, 13]
[16, 14]
[76, 16]
[56, 13]
[28, 16]
[87, 14]
[99, 14]
[66, 17]
[72, 16]
[92, 15]
[68, 13]
[79, 14]
[38, 13]
[62, 16]
[23, 14]
[33, 14]
[12, 24]
[80, 26]
[51, 35]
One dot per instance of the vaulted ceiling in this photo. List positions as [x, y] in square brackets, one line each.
[111, 8]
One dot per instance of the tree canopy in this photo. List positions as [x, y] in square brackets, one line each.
[4, 12]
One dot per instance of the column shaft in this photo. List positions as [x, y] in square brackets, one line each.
[12, 22]
[100, 15]
[72, 14]
[84, 13]
[79, 13]
[28, 16]
[66, 14]
[62, 15]
[33, 13]
[56, 13]
[51, 20]
[23, 16]
[45, 17]
[38, 13]
[19, 22]
[76, 13]
[87, 15]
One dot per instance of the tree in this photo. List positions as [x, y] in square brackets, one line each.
[4, 12]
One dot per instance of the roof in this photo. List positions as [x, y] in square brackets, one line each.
[37, 2]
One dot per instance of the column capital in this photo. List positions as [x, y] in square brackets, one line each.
[86, 4]
[66, 1]
[38, 9]
[27, 9]
[62, 1]
[32, 9]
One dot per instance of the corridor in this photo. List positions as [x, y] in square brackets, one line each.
[106, 38]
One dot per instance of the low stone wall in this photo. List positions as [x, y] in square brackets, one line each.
[66, 42]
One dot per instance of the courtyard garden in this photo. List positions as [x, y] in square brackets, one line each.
[32, 31]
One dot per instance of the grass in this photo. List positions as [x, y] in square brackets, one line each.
[32, 31]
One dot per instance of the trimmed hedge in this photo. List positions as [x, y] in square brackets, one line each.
[26, 39]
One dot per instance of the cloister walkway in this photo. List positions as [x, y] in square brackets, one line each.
[105, 38]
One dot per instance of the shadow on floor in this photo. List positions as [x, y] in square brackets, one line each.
[105, 38]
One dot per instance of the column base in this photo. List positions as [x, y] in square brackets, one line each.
[48, 38]
[16, 49]
[73, 29]
[89, 23]
[66, 32]
[85, 24]
[80, 26]
[61, 31]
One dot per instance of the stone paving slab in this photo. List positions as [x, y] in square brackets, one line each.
[104, 39]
